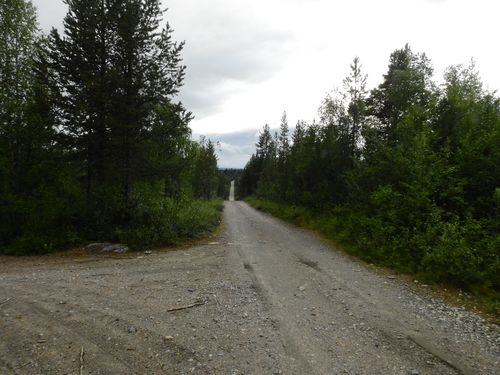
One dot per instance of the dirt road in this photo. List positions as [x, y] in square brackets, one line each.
[231, 192]
[263, 298]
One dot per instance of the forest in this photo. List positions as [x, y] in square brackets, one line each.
[406, 175]
[93, 144]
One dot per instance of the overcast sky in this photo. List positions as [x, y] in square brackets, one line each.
[249, 60]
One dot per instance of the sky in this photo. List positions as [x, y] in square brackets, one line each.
[250, 60]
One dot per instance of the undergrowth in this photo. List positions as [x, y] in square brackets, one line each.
[441, 253]
[153, 222]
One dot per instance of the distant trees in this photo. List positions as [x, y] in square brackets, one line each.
[92, 144]
[225, 178]
[407, 174]
[205, 171]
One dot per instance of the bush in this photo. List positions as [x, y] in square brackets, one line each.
[453, 258]
[151, 220]
[162, 221]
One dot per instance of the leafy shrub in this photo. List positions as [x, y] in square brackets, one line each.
[453, 258]
[156, 220]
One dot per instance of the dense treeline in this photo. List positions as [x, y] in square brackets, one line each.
[225, 178]
[92, 144]
[406, 175]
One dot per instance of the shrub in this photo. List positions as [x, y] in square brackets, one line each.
[163, 221]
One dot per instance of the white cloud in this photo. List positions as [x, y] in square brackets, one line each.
[248, 60]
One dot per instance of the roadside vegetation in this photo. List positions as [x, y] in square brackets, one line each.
[406, 175]
[93, 145]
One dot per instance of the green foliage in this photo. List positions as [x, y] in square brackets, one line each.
[407, 176]
[451, 257]
[92, 145]
[116, 73]
[205, 177]
[407, 83]
[157, 220]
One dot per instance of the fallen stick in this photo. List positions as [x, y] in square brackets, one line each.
[22, 366]
[81, 361]
[6, 300]
[186, 307]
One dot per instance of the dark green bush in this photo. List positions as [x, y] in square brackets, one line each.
[158, 221]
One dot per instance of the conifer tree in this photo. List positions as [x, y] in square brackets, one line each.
[407, 83]
[148, 73]
[355, 91]
[117, 73]
[206, 174]
[283, 155]
[265, 143]
[81, 65]
[284, 142]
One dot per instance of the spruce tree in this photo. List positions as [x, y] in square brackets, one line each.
[265, 144]
[355, 91]
[284, 142]
[117, 73]
[283, 155]
[81, 65]
[407, 83]
[206, 173]
[148, 73]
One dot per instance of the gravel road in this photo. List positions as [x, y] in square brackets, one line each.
[262, 298]
[231, 192]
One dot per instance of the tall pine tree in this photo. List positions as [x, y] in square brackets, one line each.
[117, 73]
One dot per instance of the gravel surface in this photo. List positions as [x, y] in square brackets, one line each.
[263, 298]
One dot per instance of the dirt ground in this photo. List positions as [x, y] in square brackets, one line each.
[262, 298]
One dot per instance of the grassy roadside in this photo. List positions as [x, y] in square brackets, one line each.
[485, 303]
